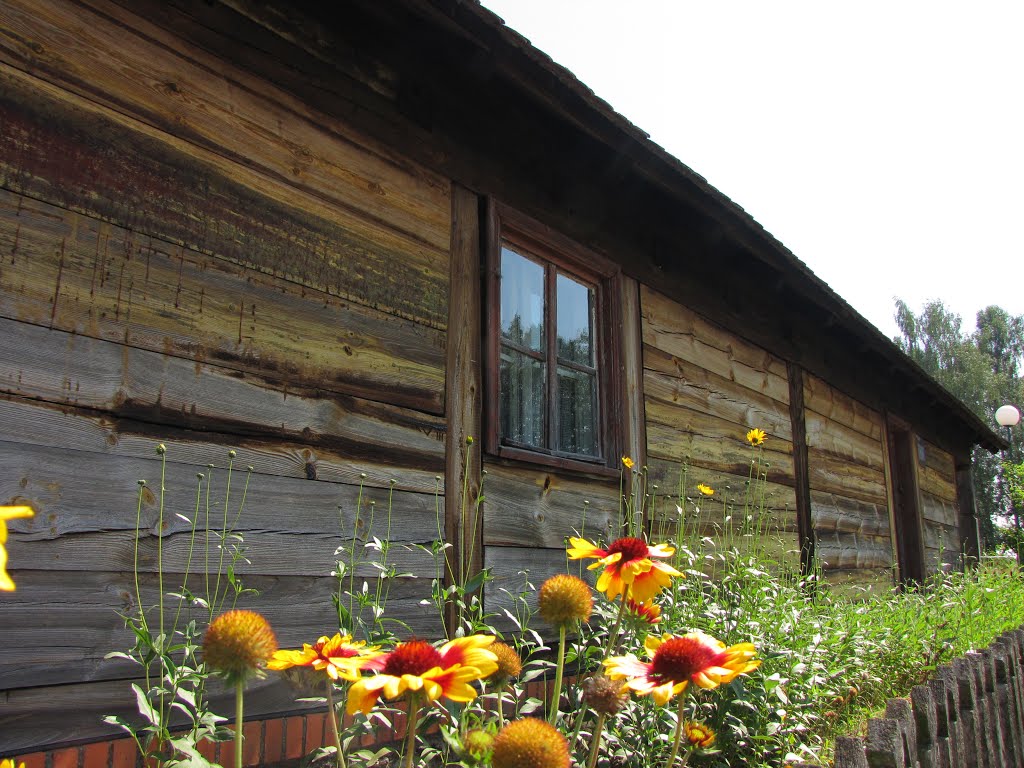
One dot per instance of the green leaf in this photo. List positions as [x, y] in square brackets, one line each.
[145, 708]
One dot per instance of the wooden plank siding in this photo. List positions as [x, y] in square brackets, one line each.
[703, 389]
[528, 515]
[191, 256]
[111, 69]
[940, 516]
[849, 494]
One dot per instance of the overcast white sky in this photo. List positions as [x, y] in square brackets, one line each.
[881, 142]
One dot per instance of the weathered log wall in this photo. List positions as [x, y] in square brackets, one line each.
[936, 478]
[189, 255]
[703, 389]
[849, 497]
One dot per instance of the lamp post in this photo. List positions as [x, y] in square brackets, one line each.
[1008, 416]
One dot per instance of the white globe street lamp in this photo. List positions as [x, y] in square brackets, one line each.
[1007, 416]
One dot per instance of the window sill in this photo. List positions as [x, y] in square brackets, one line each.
[597, 467]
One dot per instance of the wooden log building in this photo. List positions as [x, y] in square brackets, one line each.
[341, 238]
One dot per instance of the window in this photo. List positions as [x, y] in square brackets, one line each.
[549, 346]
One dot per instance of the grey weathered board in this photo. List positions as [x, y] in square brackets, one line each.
[69, 271]
[149, 387]
[530, 507]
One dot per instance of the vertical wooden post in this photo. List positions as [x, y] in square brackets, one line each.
[890, 497]
[463, 524]
[801, 472]
[970, 535]
[633, 418]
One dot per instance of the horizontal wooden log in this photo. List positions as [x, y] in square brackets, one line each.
[858, 583]
[827, 436]
[79, 619]
[680, 332]
[53, 425]
[518, 574]
[773, 503]
[938, 460]
[702, 390]
[123, 61]
[938, 484]
[940, 537]
[830, 474]
[832, 513]
[540, 508]
[938, 510]
[67, 271]
[680, 434]
[75, 154]
[169, 392]
[837, 406]
[34, 718]
[841, 551]
[86, 515]
[941, 559]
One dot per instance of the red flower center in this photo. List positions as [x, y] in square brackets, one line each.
[630, 547]
[680, 658]
[412, 658]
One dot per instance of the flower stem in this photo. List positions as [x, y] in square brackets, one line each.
[615, 629]
[333, 720]
[239, 695]
[681, 719]
[410, 729]
[595, 745]
[559, 669]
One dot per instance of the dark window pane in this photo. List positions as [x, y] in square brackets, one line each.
[577, 412]
[575, 321]
[522, 398]
[522, 300]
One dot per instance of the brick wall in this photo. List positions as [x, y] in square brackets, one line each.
[267, 742]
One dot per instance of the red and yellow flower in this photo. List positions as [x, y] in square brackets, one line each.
[417, 665]
[629, 567]
[678, 660]
[339, 657]
[649, 611]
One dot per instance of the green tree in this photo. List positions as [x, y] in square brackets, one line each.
[983, 370]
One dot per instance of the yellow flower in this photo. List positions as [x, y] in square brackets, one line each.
[530, 743]
[629, 569]
[8, 762]
[418, 666]
[676, 661]
[338, 656]
[627, 462]
[756, 436]
[705, 490]
[564, 599]
[699, 735]
[9, 513]
[238, 644]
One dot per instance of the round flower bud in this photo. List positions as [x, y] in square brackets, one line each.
[604, 695]
[509, 663]
[530, 743]
[238, 644]
[478, 744]
[699, 735]
[564, 599]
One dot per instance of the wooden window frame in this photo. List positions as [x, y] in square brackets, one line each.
[551, 248]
